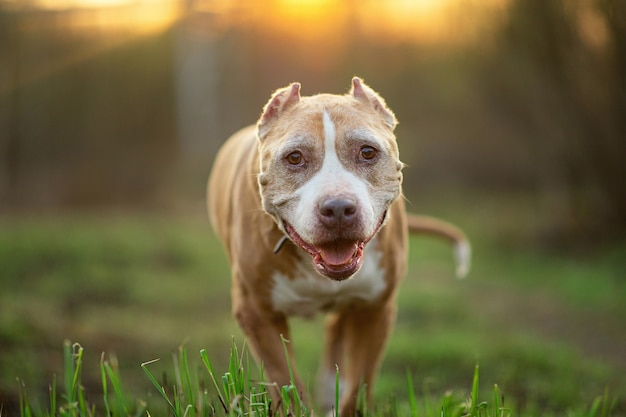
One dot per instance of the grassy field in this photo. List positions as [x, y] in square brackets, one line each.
[548, 328]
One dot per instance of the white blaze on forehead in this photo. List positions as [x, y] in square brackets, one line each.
[332, 179]
[330, 135]
[331, 164]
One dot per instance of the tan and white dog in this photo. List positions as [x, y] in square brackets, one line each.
[324, 172]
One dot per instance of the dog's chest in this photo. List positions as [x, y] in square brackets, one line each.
[309, 293]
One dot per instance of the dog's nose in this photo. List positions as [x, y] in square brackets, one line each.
[337, 211]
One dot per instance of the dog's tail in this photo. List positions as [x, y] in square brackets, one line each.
[436, 227]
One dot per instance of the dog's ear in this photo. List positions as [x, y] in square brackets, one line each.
[281, 100]
[363, 93]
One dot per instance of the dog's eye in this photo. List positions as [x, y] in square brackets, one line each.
[295, 158]
[368, 153]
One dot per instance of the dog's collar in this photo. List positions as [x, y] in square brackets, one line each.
[280, 243]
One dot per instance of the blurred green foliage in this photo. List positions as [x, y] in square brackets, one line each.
[139, 286]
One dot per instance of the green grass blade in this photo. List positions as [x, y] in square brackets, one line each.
[474, 398]
[177, 405]
[426, 395]
[362, 399]
[495, 407]
[285, 341]
[184, 391]
[299, 407]
[263, 401]
[188, 391]
[236, 371]
[83, 408]
[158, 386]
[285, 393]
[105, 391]
[412, 399]
[607, 404]
[336, 411]
[120, 399]
[78, 355]
[207, 364]
[25, 410]
[73, 354]
[226, 383]
[53, 397]
[595, 406]
[68, 360]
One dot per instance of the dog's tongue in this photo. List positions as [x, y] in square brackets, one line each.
[338, 253]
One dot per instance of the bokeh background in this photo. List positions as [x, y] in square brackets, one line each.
[512, 123]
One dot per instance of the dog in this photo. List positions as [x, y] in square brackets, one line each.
[308, 204]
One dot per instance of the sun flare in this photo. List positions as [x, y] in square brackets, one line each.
[142, 16]
[316, 21]
[420, 21]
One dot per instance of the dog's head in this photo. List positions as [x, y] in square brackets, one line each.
[329, 172]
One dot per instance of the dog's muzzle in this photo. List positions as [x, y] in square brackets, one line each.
[337, 259]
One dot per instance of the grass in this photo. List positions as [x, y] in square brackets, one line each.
[236, 392]
[547, 327]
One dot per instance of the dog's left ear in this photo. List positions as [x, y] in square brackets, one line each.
[281, 100]
[364, 93]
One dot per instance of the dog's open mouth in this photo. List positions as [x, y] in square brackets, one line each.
[336, 259]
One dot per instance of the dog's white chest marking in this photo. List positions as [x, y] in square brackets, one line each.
[309, 293]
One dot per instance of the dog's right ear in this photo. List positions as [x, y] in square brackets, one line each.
[281, 100]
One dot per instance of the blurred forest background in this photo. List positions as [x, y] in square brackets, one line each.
[512, 123]
[111, 103]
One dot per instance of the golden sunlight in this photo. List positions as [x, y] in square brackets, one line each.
[139, 16]
[424, 21]
[418, 21]
[107, 23]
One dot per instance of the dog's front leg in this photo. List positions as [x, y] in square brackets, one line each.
[365, 331]
[264, 330]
